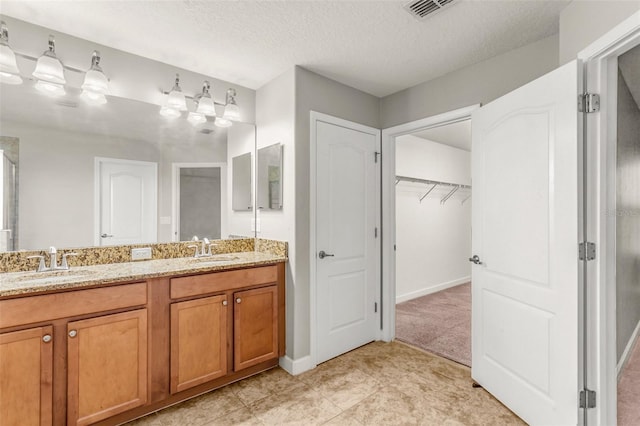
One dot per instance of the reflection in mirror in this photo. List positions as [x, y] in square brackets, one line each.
[9, 187]
[242, 194]
[200, 200]
[59, 141]
[269, 174]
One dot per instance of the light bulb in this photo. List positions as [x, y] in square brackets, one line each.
[222, 122]
[51, 89]
[196, 118]
[93, 98]
[169, 112]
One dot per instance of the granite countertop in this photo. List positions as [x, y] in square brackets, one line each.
[26, 283]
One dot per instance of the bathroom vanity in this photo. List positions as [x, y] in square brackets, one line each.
[108, 343]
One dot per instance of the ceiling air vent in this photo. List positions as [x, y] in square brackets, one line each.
[422, 9]
[206, 131]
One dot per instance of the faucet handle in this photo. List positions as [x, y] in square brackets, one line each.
[52, 250]
[41, 265]
[64, 264]
[196, 248]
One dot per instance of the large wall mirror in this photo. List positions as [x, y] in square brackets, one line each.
[78, 175]
[269, 177]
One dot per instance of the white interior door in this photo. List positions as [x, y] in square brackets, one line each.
[127, 205]
[347, 210]
[525, 341]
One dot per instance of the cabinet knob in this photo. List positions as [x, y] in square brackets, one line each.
[224, 303]
[46, 338]
[238, 300]
[73, 333]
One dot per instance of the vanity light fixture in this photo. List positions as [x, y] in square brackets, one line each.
[96, 84]
[176, 102]
[9, 72]
[204, 101]
[50, 71]
[231, 110]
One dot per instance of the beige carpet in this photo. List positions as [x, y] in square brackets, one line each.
[439, 323]
[629, 389]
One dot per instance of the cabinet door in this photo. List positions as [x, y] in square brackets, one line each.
[198, 341]
[107, 366]
[26, 369]
[255, 326]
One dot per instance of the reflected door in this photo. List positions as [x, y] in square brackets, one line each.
[347, 250]
[126, 202]
[525, 344]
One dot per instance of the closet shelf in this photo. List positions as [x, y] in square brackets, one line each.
[434, 184]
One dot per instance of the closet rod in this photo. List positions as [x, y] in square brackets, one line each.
[429, 182]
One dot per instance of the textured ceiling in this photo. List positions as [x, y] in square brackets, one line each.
[457, 135]
[374, 46]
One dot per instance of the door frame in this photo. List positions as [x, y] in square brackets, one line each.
[600, 72]
[389, 135]
[315, 117]
[97, 201]
[175, 195]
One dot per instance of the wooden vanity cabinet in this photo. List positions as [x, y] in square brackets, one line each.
[198, 341]
[107, 366]
[26, 374]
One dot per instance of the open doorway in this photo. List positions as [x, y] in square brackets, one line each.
[433, 240]
[627, 233]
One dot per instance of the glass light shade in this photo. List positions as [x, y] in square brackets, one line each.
[176, 100]
[196, 118]
[206, 106]
[222, 122]
[49, 69]
[95, 81]
[51, 89]
[232, 112]
[169, 112]
[9, 72]
[93, 98]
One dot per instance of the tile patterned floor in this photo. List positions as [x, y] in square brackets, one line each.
[629, 389]
[377, 384]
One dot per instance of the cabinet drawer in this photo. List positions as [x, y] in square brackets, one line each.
[33, 309]
[222, 281]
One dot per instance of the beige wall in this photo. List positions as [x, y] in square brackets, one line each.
[479, 83]
[584, 21]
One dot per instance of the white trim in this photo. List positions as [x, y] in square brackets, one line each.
[97, 175]
[600, 60]
[389, 206]
[314, 118]
[627, 350]
[297, 366]
[431, 289]
[175, 195]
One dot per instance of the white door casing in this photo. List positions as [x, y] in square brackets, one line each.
[525, 294]
[126, 204]
[347, 206]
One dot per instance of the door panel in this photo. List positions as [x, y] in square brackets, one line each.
[107, 366]
[127, 202]
[525, 229]
[347, 204]
[198, 341]
[26, 374]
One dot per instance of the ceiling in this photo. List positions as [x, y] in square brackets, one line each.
[457, 135]
[374, 46]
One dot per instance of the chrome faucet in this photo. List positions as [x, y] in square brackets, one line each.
[53, 261]
[204, 250]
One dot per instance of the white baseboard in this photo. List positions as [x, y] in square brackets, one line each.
[432, 289]
[627, 350]
[296, 366]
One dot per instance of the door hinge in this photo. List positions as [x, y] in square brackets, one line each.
[587, 251]
[375, 307]
[376, 154]
[375, 232]
[587, 398]
[589, 102]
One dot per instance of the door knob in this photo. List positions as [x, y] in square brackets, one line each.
[322, 254]
[475, 259]
[106, 236]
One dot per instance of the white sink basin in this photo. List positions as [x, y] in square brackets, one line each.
[214, 260]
